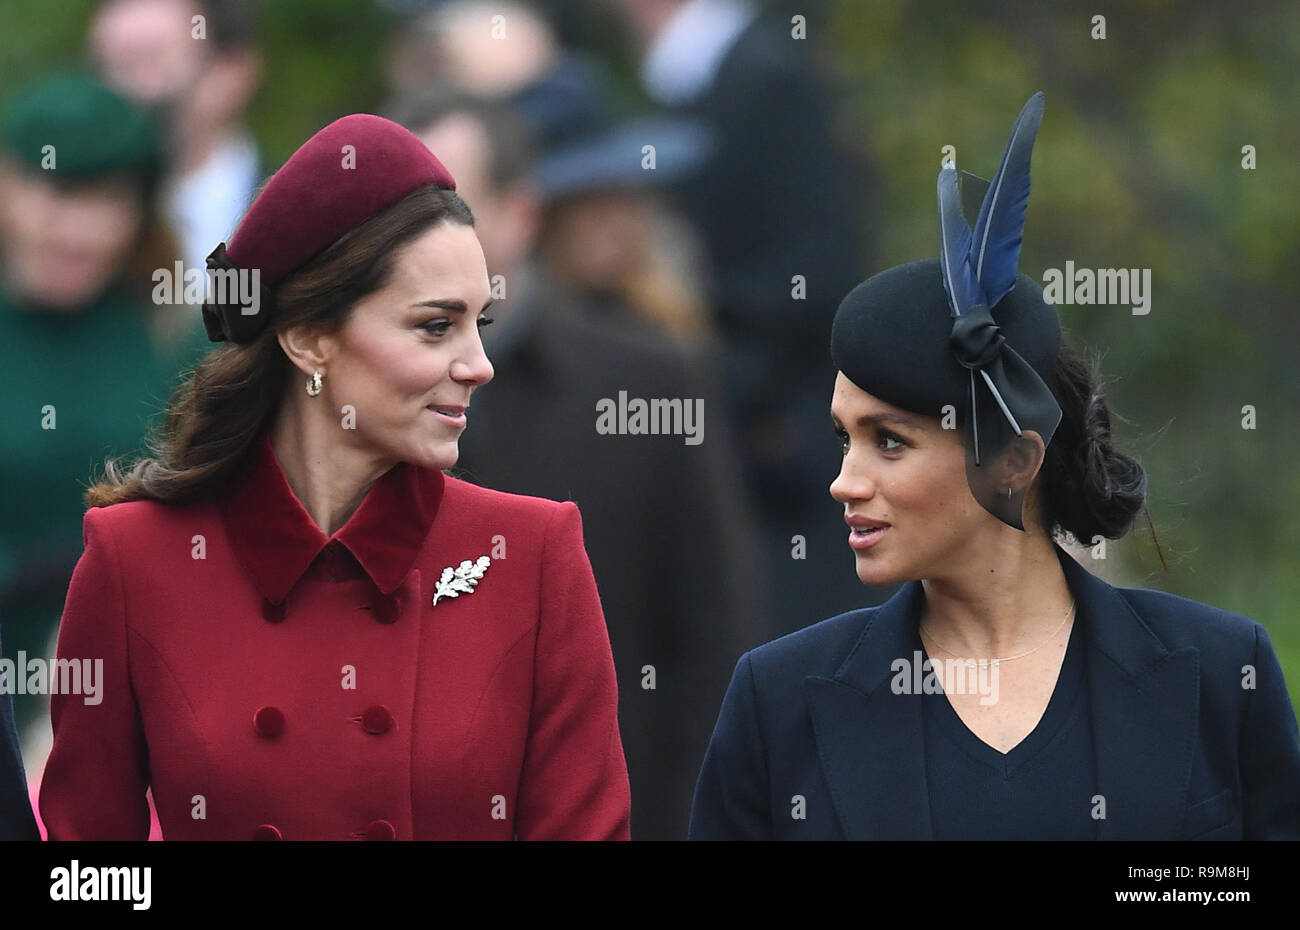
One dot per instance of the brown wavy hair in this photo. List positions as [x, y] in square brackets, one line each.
[217, 412]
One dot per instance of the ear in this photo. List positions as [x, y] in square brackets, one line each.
[309, 348]
[1023, 458]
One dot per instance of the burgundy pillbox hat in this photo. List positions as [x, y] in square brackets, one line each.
[354, 168]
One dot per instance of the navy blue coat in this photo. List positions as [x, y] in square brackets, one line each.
[16, 820]
[1183, 749]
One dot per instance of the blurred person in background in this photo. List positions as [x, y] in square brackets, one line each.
[612, 248]
[493, 50]
[774, 201]
[607, 235]
[198, 76]
[671, 541]
[83, 366]
[604, 237]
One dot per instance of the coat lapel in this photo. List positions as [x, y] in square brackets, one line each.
[1144, 716]
[869, 739]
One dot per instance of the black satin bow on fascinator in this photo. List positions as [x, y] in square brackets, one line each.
[1007, 396]
[224, 316]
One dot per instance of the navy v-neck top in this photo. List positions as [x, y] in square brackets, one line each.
[1041, 790]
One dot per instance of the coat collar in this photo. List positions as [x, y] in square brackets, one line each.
[276, 540]
[1144, 711]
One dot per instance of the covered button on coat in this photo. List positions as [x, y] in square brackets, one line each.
[269, 682]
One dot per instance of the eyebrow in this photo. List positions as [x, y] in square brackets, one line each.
[454, 304]
[874, 418]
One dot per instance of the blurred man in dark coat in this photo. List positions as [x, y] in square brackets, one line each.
[779, 211]
[670, 540]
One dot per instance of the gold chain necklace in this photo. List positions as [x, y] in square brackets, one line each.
[984, 662]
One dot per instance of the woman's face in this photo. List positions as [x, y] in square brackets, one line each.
[904, 470]
[63, 246]
[410, 356]
[597, 242]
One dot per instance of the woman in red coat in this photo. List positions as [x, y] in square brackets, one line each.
[307, 630]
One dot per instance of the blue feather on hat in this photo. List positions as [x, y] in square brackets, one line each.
[979, 267]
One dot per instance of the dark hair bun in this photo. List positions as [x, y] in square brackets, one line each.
[1091, 487]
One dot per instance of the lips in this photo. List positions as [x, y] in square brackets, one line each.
[451, 410]
[865, 533]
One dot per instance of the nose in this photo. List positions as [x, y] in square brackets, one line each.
[852, 483]
[472, 366]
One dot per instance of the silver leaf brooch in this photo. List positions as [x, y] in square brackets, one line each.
[462, 579]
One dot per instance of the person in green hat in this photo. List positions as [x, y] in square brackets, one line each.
[86, 357]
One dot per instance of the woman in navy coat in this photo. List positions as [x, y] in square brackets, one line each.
[1004, 692]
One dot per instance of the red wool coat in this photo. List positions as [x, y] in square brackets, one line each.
[269, 682]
